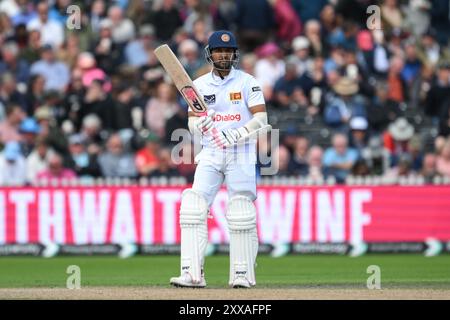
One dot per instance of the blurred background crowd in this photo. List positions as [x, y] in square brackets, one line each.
[83, 95]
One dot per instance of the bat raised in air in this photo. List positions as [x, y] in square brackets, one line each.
[181, 79]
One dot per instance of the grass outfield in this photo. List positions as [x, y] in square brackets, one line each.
[299, 271]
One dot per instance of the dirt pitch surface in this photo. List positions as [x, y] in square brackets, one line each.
[158, 293]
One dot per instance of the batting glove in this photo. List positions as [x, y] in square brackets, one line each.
[228, 137]
[206, 122]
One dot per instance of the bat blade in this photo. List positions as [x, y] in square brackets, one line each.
[180, 78]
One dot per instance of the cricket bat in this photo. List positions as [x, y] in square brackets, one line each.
[181, 79]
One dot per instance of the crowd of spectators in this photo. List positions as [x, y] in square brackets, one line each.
[83, 95]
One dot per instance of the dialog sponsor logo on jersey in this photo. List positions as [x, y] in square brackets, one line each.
[210, 99]
[227, 117]
[254, 89]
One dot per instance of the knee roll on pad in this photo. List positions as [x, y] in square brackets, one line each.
[194, 208]
[241, 216]
[194, 233]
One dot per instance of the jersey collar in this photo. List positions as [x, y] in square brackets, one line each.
[216, 80]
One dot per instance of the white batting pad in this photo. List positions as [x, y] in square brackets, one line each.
[241, 216]
[194, 233]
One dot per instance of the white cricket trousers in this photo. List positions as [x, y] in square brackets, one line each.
[215, 166]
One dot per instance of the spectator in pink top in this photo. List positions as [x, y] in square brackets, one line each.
[56, 171]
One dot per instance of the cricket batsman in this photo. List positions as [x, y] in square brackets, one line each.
[236, 108]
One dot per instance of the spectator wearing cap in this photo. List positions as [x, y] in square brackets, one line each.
[146, 159]
[188, 53]
[52, 32]
[269, 68]
[359, 134]
[56, 73]
[340, 108]
[84, 164]
[37, 160]
[9, 127]
[137, 51]
[115, 162]
[56, 171]
[339, 159]
[12, 165]
[107, 53]
[397, 137]
[29, 130]
[12, 63]
[301, 55]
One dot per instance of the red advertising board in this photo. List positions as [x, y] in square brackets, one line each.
[149, 215]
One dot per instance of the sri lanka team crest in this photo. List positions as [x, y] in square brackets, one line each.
[235, 97]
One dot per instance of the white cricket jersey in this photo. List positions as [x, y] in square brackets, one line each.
[231, 98]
